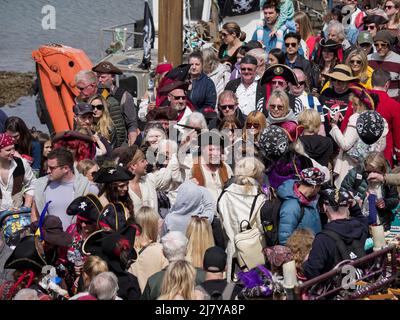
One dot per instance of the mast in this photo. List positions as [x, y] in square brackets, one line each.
[170, 31]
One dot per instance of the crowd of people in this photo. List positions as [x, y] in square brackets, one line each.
[293, 135]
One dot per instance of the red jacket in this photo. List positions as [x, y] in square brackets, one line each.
[389, 108]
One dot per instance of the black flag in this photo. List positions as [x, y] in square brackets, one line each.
[148, 37]
[238, 7]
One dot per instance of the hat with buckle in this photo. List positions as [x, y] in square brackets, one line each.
[106, 67]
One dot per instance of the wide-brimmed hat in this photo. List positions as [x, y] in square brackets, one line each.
[112, 174]
[341, 72]
[172, 85]
[370, 126]
[113, 216]
[87, 208]
[329, 44]
[179, 73]
[312, 176]
[106, 67]
[279, 70]
[53, 232]
[114, 248]
[27, 255]
[375, 18]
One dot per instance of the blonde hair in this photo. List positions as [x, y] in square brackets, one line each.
[363, 76]
[300, 243]
[305, 28]
[179, 280]
[228, 94]
[310, 119]
[105, 123]
[93, 266]
[147, 218]
[200, 236]
[255, 116]
[280, 94]
[85, 165]
[377, 161]
[210, 60]
[247, 170]
[397, 6]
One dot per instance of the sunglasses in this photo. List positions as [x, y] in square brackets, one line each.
[301, 83]
[84, 88]
[381, 45]
[358, 62]
[252, 125]
[276, 106]
[278, 83]
[224, 34]
[227, 106]
[290, 44]
[178, 97]
[389, 7]
[365, 45]
[246, 69]
[98, 107]
[370, 27]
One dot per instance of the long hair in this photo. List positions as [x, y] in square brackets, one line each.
[363, 76]
[249, 170]
[105, 123]
[179, 280]
[305, 28]
[200, 236]
[110, 191]
[16, 124]
[396, 3]
[234, 28]
[255, 116]
[42, 138]
[147, 219]
[210, 59]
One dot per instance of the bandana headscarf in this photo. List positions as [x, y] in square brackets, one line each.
[6, 140]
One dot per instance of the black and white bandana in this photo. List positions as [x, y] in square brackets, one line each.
[370, 126]
[274, 141]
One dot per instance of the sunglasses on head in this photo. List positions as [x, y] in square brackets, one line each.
[227, 106]
[251, 125]
[98, 107]
[290, 44]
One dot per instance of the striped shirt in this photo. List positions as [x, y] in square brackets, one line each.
[389, 63]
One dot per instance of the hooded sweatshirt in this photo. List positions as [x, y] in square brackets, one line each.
[290, 212]
[191, 200]
[318, 147]
[322, 255]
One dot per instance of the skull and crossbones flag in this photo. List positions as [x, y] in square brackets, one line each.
[231, 8]
[148, 37]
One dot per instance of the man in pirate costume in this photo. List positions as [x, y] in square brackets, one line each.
[208, 169]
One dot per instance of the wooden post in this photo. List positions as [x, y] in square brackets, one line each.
[170, 31]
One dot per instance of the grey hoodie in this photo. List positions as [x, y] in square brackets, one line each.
[191, 200]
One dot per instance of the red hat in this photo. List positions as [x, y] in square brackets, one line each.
[6, 140]
[163, 67]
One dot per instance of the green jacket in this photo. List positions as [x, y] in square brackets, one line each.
[153, 286]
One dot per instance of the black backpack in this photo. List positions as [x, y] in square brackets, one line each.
[270, 217]
[346, 251]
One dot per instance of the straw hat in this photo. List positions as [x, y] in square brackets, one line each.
[341, 72]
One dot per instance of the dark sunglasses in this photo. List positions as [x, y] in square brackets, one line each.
[98, 107]
[227, 106]
[365, 45]
[246, 69]
[276, 106]
[178, 97]
[358, 62]
[389, 7]
[381, 45]
[252, 125]
[372, 27]
[290, 44]
[301, 83]
[278, 83]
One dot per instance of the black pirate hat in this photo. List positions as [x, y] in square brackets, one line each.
[278, 70]
[113, 216]
[87, 208]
